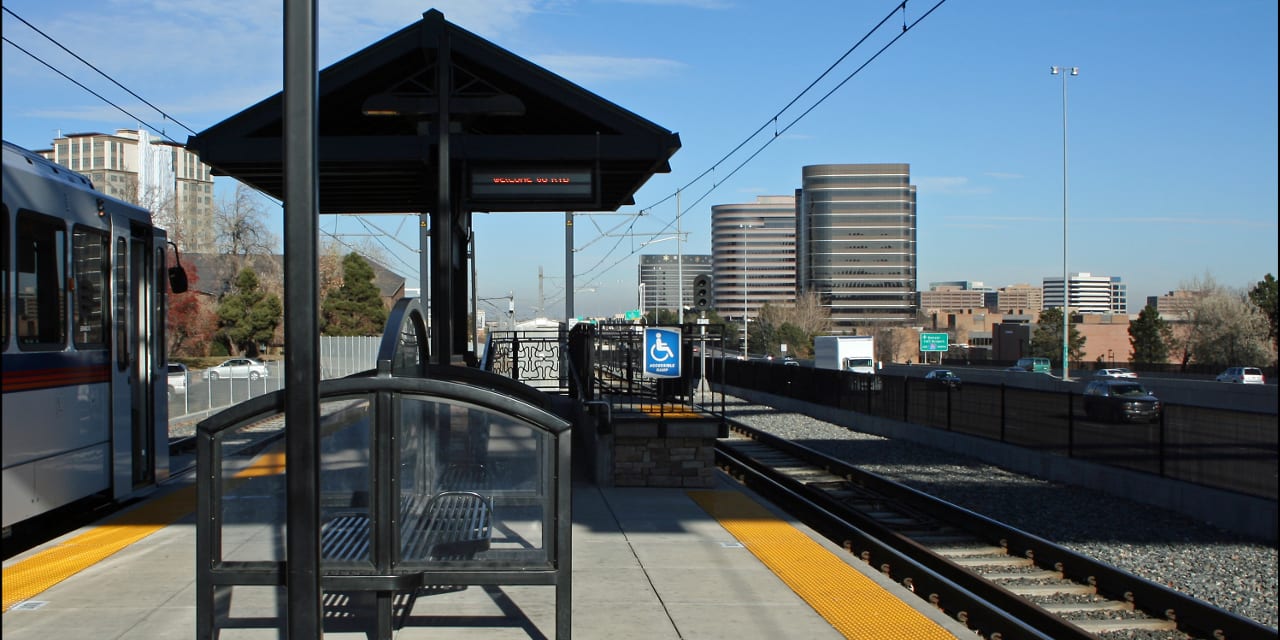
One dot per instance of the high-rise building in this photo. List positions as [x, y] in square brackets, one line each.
[1088, 294]
[159, 175]
[856, 241]
[659, 275]
[753, 255]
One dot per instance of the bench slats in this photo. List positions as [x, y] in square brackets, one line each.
[452, 525]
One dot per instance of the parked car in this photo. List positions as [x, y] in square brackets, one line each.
[943, 378]
[177, 379]
[1242, 375]
[1120, 400]
[237, 368]
[1115, 373]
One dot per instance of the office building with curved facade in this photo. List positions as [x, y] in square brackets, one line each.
[856, 241]
[753, 255]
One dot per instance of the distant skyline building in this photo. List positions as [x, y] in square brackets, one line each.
[1020, 299]
[856, 241]
[158, 175]
[952, 298]
[660, 273]
[1175, 305]
[957, 295]
[753, 249]
[1087, 293]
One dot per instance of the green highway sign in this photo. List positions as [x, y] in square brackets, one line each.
[933, 342]
[632, 315]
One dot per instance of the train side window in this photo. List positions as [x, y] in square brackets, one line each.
[90, 270]
[122, 316]
[41, 301]
[5, 302]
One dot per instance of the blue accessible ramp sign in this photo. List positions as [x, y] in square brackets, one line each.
[662, 352]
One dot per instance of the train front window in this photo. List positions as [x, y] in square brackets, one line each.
[89, 267]
[40, 253]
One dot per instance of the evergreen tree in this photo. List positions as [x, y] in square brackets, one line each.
[1150, 337]
[355, 308]
[1046, 340]
[1264, 296]
[249, 316]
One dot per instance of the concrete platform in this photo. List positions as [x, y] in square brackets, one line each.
[648, 563]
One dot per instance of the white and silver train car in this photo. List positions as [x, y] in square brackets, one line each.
[85, 411]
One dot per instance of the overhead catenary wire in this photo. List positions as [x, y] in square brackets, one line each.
[82, 86]
[73, 54]
[777, 132]
[631, 222]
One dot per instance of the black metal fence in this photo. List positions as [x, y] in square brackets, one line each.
[1222, 448]
[615, 360]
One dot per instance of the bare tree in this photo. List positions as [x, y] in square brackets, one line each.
[896, 343]
[330, 267]
[240, 228]
[807, 313]
[1222, 327]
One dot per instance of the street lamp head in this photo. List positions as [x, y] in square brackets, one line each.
[1053, 71]
[1075, 71]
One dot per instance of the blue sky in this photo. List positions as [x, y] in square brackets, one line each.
[1172, 122]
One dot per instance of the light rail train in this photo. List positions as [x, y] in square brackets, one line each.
[82, 331]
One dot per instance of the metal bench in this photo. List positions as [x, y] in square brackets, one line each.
[451, 525]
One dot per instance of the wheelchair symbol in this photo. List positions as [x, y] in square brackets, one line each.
[660, 347]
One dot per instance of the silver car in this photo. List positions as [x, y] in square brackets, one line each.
[177, 378]
[1242, 375]
[237, 368]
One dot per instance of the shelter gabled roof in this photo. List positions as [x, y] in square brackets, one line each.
[506, 113]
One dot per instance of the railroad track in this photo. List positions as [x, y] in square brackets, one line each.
[1000, 581]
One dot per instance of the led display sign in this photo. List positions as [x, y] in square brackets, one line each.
[574, 185]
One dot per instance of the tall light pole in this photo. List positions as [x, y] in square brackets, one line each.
[679, 266]
[746, 277]
[642, 303]
[1066, 281]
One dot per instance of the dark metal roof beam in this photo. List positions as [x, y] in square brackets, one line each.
[489, 148]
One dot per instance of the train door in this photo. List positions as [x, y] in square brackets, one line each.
[134, 403]
[158, 360]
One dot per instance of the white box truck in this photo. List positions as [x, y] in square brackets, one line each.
[849, 353]
[845, 353]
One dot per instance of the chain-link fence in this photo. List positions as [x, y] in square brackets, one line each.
[340, 356]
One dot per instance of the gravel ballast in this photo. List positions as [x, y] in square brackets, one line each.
[1223, 568]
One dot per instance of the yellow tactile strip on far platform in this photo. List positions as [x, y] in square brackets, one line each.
[853, 603]
[671, 411]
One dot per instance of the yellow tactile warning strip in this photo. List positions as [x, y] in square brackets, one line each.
[32, 576]
[853, 603]
[670, 411]
[29, 577]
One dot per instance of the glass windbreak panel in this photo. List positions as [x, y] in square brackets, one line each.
[475, 487]
[408, 354]
[252, 487]
[252, 476]
[346, 472]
